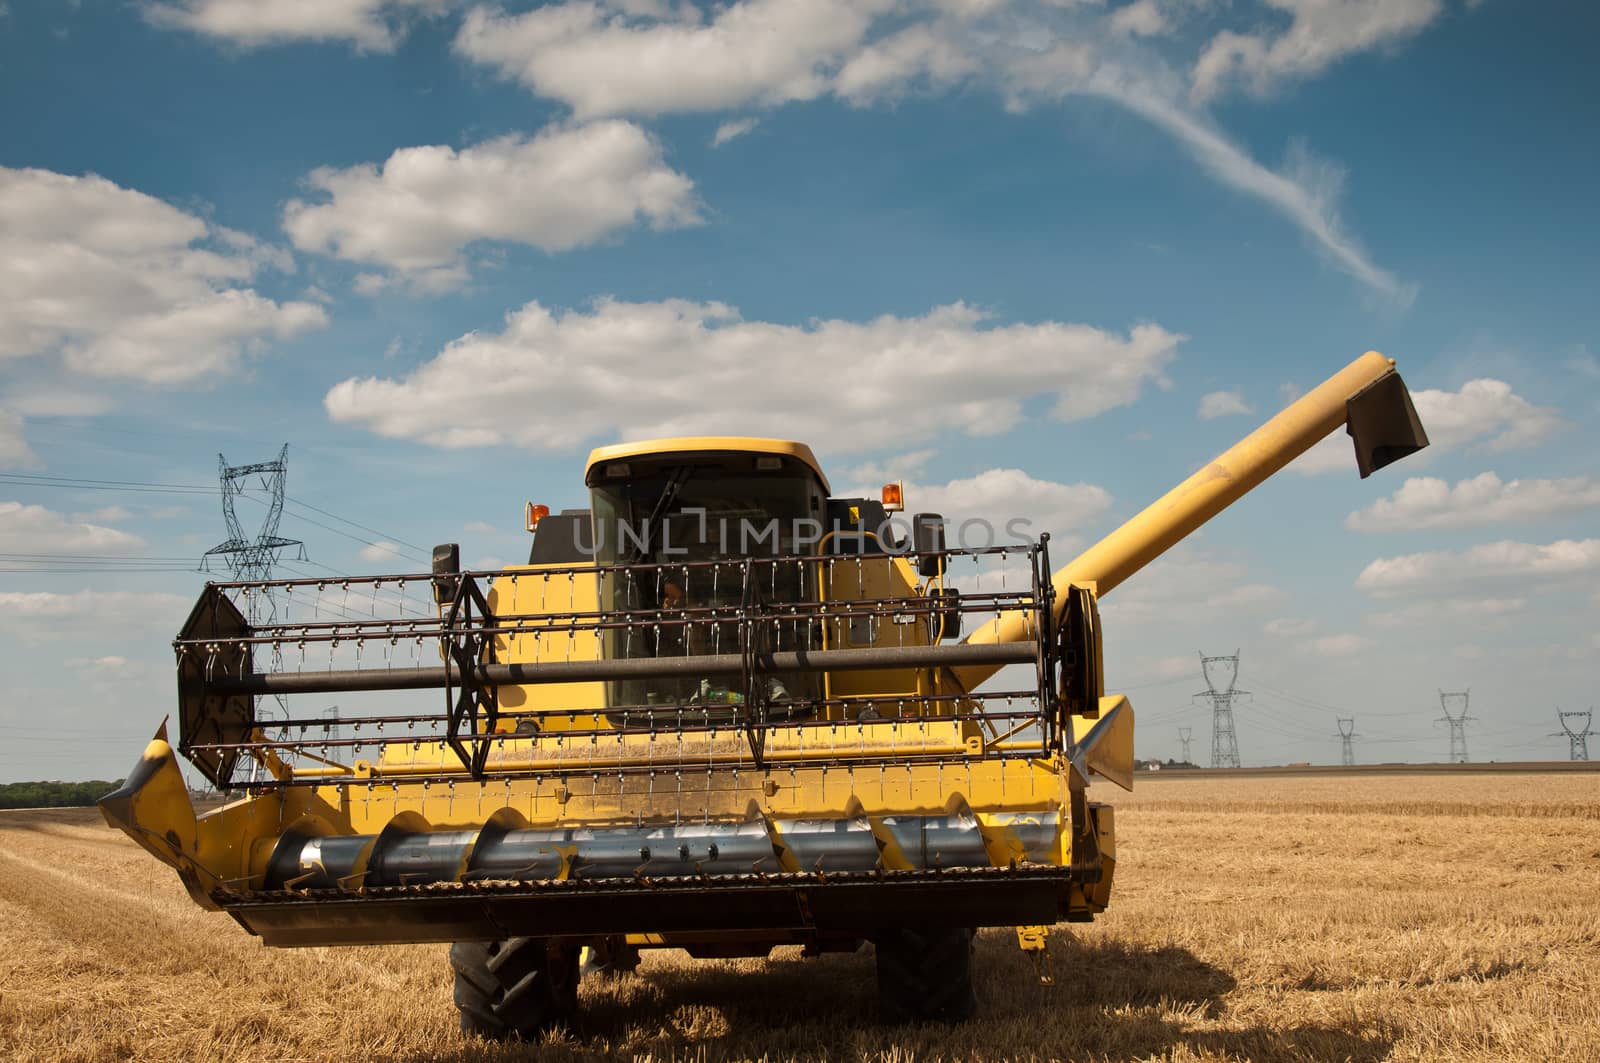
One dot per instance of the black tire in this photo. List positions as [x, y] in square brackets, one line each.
[925, 975]
[514, 989]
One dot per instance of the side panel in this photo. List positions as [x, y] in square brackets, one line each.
[876, 577]
[541, 601]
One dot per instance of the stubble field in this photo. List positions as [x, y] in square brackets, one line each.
[1348, 917]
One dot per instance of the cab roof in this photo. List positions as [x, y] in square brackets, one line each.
[703, 445]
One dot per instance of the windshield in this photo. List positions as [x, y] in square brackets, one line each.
[684, 515]
[689, 532]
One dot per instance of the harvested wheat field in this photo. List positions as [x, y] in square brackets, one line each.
[1351, 917]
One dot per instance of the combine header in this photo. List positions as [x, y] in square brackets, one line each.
[720, 710]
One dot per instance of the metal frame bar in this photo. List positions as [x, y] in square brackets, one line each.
[467, 632]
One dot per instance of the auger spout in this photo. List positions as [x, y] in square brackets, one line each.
[1367, 396]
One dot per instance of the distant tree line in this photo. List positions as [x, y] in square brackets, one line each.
[54, 794]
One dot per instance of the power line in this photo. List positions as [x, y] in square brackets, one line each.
[1319, 706]
[387, 546]
[19, 563]
[384, 535]
[1119, 687]
[90, 557]
[158, 487]
[17, 479]
[7, 728]
[1268, 722]
[96, 568]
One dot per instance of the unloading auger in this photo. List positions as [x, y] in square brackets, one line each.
[718, 710]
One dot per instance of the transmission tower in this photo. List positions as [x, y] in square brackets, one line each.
[1347, 736]
[1184, 734]
[1578, 741]
[251, 559]
[330, 724]
[1220, 674]
[1457, 721]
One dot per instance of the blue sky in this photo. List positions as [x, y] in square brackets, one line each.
[1036, 258]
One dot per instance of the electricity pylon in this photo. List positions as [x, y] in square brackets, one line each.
[1184, 736]
[1577, 741]
[1220, 674]
[330, 724]
[1347, 736]
[1457, 721]
[251, 559]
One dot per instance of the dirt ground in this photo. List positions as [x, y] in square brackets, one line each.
[1330, 918]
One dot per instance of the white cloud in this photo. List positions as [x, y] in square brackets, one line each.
[1584, 364]
[996, 507]
[599, 60]
[382, 550]
[1177, 667]
[1426, 502]
[1186, 586]
[107, 670]
[566, 187]
[906, 466]
[999, 496]
[42, 616]
[375, 25]
[916, 54]
[730, 130]
[14, 450]
[104, 515]
[180, 343]
[1481, 613]
[481, 527]
[1320, 34]
[102, 662]
[1447, 571]
[649, 369]
[1332, 454]
[70, 399]
[1142, 18]
[1289, 627]
[114, 281]
[1222, 404]
[26, 529]
[1337, 645]
[1485, 413]
[1305, 190]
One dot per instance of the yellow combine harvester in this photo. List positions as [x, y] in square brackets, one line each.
[719, 710]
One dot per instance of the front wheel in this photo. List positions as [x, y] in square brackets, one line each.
[514, 989]
[925, 975]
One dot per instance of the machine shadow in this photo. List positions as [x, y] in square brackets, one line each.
[1109, 1000]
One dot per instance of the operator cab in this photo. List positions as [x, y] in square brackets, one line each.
[690, 533]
